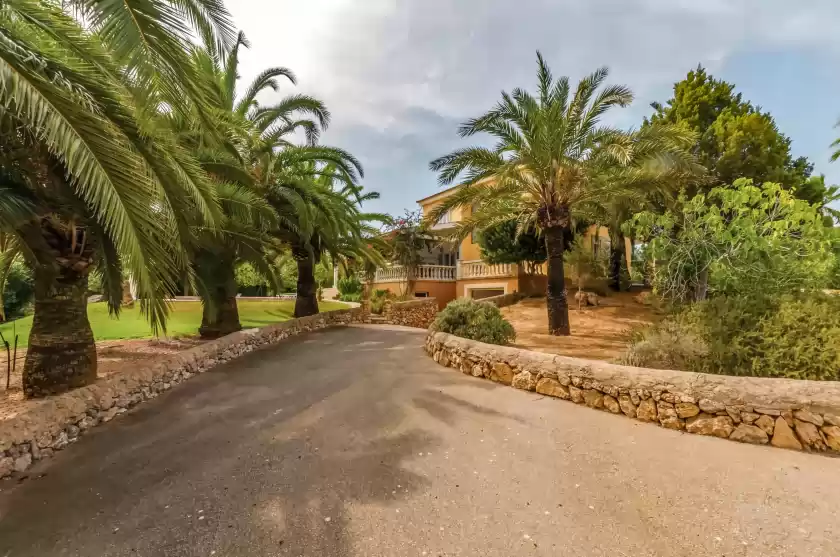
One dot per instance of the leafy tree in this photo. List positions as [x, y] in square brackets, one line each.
[815, 191]
[553, 156]
[741, 240]
[734, 138]
[89, 178]
[501, 244]
[407, 240]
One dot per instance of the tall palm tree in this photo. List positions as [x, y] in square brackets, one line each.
[552, 155]
[316, 194]
[89, 181]
[248, 158]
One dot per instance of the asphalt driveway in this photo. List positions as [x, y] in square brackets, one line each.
[351, 442]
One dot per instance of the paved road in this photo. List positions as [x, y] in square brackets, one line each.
[350, 442]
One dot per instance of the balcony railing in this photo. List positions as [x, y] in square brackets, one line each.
[396, 273]
[479, 269]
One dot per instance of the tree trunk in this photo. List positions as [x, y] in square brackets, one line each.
[61, 354]
[557, 301]
[221, 314]
[702, 286]
[618, 261]
[307, 298]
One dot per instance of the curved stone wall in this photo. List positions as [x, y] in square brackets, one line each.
[786, 413]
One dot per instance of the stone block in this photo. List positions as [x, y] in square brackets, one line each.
[627, 406]
[832, 436]
[552, 387]
[808, 416]
[809, 435]
[611, 404]
[706, 424]
[525, 380]
[686, 409]
[502, 373]
[766, 423]
[646, 411]
[576, 395]
[593, 398]
[746, 433]
[784, 437]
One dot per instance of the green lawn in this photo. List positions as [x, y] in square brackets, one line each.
[184, 319]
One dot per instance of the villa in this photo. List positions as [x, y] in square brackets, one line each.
[450, 272]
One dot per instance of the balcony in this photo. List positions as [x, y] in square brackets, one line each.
[396, 273]
[478, 269]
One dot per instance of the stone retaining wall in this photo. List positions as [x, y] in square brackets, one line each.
[786, 413]
[59, 420]
[414, 313]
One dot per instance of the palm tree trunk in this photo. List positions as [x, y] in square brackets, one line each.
[62, 353]
[221, 314]
[557, 301]
[618, 261]
[307, 299]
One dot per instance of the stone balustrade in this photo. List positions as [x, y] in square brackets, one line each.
[785, 413]
[479, 269]
[396, 273]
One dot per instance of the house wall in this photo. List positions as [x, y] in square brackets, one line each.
[443, 292]
[510, 284]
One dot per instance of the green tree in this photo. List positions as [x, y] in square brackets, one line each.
[407, 240]
[501, 244]
[90, 179]
[552, 156]
[741, 240]
[734, 138]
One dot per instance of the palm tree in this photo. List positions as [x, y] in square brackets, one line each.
[553, 155]
[89, 181]
[316, 195]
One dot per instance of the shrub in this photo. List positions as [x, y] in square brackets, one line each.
[349, 285]
[19, 291]
[666, 345]
[474, 320]
[797, 337]
[378, 299]
[350, 297]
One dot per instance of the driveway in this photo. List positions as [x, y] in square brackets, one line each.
[351, 442]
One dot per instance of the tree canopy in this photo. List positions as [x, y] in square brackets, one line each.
[735, 139]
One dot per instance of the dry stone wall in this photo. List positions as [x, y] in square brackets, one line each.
[785, 413]
[414, 313]
[60, 420]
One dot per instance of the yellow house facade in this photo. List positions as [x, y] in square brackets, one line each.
[449, 272]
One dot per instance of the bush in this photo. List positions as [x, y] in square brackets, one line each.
[378, 299]
[349, 285]
[474, 320]
[350, 297]
[19, 291]
[796, 337]
[666, 345]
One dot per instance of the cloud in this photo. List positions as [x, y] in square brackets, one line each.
[398, 75]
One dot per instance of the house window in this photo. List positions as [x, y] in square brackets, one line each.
[446, 218]
[421, 294]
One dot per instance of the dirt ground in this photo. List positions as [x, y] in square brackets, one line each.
[114, 356]
[598, 333]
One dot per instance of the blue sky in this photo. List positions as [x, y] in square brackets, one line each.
[400, 75]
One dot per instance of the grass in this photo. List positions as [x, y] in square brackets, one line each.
[184, 319]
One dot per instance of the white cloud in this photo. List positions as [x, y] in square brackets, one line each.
[398, 74]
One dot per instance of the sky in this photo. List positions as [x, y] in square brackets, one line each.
[399, 75]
